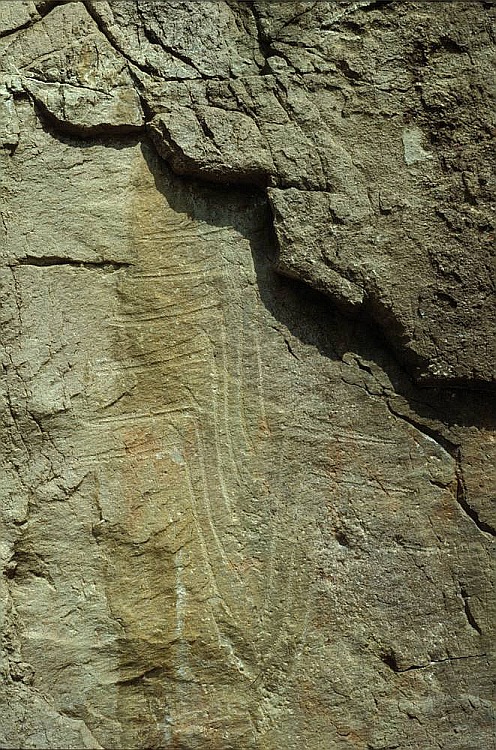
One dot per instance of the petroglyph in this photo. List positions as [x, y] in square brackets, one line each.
[230, 517]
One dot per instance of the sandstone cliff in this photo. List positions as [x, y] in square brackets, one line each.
[247, 397]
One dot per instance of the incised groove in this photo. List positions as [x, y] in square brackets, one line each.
[50, 261]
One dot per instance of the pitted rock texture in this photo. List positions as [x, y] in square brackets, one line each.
[237, 241]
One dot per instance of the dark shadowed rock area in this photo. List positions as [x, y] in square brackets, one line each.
[248, 338]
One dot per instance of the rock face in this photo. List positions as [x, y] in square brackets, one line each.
[247, 407]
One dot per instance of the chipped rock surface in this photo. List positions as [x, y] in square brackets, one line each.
[247, 400]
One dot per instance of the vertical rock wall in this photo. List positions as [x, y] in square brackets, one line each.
[247, 339]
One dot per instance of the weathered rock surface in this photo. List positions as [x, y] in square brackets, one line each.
[237, 241]
[84, 83]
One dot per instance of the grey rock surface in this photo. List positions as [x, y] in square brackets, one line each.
[237, 243]
[72, 72]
